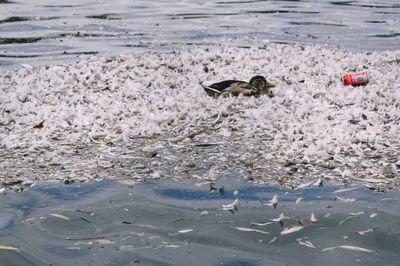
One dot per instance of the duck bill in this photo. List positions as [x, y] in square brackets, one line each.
[269, 85]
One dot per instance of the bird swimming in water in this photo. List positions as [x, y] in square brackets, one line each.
[257, 86]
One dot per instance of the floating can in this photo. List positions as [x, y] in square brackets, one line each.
[355, 79]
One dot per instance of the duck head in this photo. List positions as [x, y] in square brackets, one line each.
[261, 83]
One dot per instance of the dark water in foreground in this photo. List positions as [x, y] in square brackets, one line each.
[54, 31]
[168, 223]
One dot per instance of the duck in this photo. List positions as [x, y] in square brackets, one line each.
[257, 86]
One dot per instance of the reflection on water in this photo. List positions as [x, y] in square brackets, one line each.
[111, 28]
[169, 223]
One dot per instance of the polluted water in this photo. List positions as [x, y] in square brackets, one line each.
[182, 223]
[92, 90]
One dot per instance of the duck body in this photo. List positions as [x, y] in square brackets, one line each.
[258, 85]
[230, 87]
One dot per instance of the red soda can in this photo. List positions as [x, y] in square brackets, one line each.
[355, 79]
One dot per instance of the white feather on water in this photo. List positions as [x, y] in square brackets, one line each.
[149, 93]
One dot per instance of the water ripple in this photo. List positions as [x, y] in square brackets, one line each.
[354, 3]
[308, 23]
[105, 17]
[110, 29]
[19, 40]
[22, 19]
[281, 11]
[388, 35]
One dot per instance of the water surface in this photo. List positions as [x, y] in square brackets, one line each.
[53, 31]
[169, 223]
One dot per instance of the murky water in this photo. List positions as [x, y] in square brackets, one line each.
[53, 31]
[168, 223]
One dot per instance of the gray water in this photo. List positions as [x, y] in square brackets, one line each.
[41, 31]
[169, 223]
[113, 224]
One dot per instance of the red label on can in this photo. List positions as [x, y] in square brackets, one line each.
[355, 79]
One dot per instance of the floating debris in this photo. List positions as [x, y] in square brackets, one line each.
[90, 212]
[39, 126]
[8, 248]
[127, 248]
[105, 242]
[345, 220]
[261, 224]
[27, 66]
[231, 207]
[298, 200]
[292, 229]
[184, 231]
[395, 61]
[304, 185]
[272, 240]
[390, 170]
[273, 202]
[319, 183]
[84, 238]
[152, 140]
[164, 114]
[303, 241]
[350, 248]
[246, 229]
[60, 216]
[221, 190]
[199, 184]
[105, 163]
[345, 199]
[212, 173]
[364, 232]
[370, 180]
[204, 213]
[372, 215]
[20, 189]
[356, 213]
[316, 183]
[86, 220]
[29, 221]
[345, 190]
[308, 221]
[312, 218]
[167, 245]
[280, 219]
